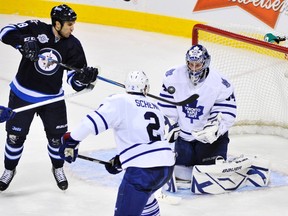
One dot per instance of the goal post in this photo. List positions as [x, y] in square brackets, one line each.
[257, 69]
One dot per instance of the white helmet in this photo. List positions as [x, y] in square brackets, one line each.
[138, 82]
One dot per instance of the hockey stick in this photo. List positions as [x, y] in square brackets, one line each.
[173, 200]
[93, 160]
[53, 100]
[191, 99]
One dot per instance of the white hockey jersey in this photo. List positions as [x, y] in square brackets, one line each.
[216, 94]
[138, 126]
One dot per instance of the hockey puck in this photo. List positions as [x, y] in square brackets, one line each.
[171, 89]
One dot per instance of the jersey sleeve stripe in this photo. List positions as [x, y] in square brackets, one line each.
[94, 123]
[225, 105]
[226, 113]
[103, 119]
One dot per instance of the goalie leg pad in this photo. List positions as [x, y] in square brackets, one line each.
[183, 172]
[227, 176]
[259, 173]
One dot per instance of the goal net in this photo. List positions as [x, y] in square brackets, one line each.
[258, 71]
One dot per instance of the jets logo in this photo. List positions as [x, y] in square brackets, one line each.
[192, 111]
[46, 67]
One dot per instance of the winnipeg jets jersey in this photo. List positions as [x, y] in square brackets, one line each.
[37, 81]
[138, 126]
[216, 94]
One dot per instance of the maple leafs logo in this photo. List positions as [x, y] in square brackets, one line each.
[193, 111]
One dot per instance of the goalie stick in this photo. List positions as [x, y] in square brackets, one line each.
[93, 160]
[191, 99]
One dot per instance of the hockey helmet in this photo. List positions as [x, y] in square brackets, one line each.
[62, 13]
[198, 61]
[137, 81]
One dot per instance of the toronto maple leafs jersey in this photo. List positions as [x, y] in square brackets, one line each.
[138, 126]
[216, 94]
[37, 81]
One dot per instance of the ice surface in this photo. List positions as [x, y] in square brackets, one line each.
[92, 191]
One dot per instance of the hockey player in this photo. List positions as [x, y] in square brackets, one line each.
[37, 81]
[143, 153]
[5, 114]
[203, 124]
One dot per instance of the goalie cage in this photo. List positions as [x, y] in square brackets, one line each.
[258, 71]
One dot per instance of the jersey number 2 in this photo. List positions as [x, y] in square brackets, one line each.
[152, 126]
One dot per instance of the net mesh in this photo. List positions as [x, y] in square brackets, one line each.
[258, 74]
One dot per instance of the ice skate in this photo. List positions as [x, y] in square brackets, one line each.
[6, 179]
[60, 178]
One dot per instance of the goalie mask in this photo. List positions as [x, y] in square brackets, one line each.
[137, 82]
[198, 61]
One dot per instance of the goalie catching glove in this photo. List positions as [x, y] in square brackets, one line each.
[86, 76]
[115, 165]
[210, 132]
[68, 151]
[29, 49]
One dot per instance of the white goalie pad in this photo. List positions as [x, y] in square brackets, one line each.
[226, 176]
[259, 173]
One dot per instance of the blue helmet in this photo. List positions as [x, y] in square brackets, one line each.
[198, 61]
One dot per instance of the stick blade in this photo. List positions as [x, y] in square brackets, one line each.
[189, 100]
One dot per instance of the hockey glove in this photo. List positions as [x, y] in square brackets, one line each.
[6, 113]
[269, 37]
[115, 166]
[30, 48]
[68, 151]
[210, 132]
[87, 76]
[172, 132]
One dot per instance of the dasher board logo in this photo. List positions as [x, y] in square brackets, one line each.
[266, 11]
